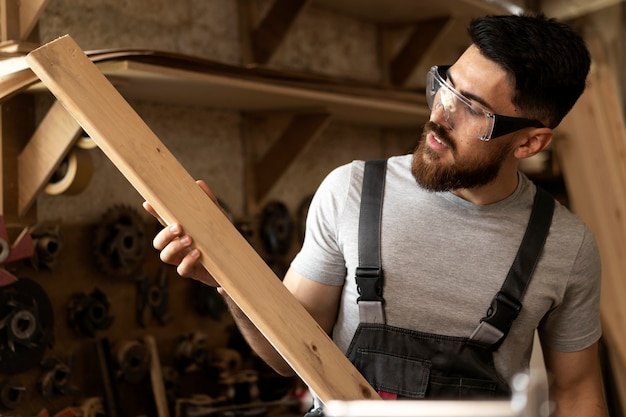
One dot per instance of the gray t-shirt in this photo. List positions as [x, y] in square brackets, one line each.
[444, 259]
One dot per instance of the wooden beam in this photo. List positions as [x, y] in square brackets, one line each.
[30, 11]
[10, 24]
[45, 151]
[299, 134]
[595, 175]
[271, 31]
[19, 18]
[571, 9]
[156, 174]
[17, 121]
[424, 34]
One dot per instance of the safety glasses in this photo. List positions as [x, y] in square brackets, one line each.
[465, 116]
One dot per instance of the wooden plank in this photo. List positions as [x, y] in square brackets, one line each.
[130, 144]
[52, 140]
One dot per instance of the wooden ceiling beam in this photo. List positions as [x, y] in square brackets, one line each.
[19, 18]
[43, 153]
[272, 30]
[423, 35]
[571, 9]
[302, 130]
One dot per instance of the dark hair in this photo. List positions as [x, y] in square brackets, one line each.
[547, 60]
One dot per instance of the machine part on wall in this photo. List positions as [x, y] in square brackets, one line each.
[240, 387]
[207, 300]
[133, 359]
[92, 407]
[73, 175]
[199, 405]
[88, 313]
[171, 380]
[21, 248]
[57, 379]
[192, 352]
[152, 299]
[226, 360]
[26, 325]
[48, 243]
[11, 394]
[303, 212]
[276, 228]
[120, 242]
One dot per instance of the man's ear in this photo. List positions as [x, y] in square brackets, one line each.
[533, 142]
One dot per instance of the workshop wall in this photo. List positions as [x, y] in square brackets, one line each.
[214, 144]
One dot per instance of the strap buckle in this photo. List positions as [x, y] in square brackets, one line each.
[369, 281]
[501, 314]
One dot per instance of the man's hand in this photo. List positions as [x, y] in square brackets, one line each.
[176, 248]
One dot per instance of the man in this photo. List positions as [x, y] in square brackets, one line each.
[454, 214]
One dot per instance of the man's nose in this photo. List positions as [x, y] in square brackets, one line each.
[437, 114]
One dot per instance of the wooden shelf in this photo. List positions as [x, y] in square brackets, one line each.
[254, 93]
[179, 79]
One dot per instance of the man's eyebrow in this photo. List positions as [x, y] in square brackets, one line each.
[467, 94]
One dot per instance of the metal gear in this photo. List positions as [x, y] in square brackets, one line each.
[276, 228]
[120, 242]
[88, 313]
[48, 243]
[26, 325]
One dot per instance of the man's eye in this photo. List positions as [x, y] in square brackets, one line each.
[473, 111]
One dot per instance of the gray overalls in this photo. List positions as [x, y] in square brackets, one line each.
[402, 363]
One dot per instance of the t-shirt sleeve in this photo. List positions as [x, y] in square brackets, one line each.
[574, 324]
[320, 258]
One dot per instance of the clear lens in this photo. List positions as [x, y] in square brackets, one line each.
[462, 115]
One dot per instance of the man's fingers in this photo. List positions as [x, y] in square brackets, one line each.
[205, 187]
[167, 236]
[188, 264]
[148, 207]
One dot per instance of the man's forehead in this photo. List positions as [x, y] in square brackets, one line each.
[482, 80]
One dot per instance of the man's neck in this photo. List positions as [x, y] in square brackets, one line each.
[497, 190]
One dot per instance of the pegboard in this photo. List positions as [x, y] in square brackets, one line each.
[201, 354]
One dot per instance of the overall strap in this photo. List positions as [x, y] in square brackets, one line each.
[506, 305]
[369, 273]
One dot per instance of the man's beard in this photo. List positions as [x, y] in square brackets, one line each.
[464, 173]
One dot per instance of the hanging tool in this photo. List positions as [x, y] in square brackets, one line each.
[192, 352]
[120, 242]
[133, 359]
[152, 299]
[57, 379]
[110, 394]
[11, 394]
[26, 325]
[48, 243]
[21, 248]
[88, 313]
